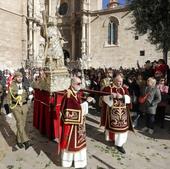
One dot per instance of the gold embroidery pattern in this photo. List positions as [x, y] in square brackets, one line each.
[81, 132]
[118, 117]
[72, 116]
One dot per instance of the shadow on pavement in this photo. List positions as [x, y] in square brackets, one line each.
[93, 120]
[41, 144]
[7, 132]
[159, 133]
[100, 160]
[92, 132]
[93, 111]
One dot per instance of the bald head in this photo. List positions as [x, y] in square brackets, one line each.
[76, 83]
[118, 80]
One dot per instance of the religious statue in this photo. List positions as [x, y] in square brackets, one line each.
[53, 52]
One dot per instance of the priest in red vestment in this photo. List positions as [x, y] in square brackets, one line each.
[115, 113]
[73, 135]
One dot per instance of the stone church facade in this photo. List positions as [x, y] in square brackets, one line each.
[101, 37]
[13, 33]
[113, 43]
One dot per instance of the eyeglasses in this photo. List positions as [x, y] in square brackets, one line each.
[78, 84]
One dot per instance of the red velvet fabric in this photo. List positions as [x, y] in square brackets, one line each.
[46, 114]
[106, 119]
[73, 134]
[56, 115]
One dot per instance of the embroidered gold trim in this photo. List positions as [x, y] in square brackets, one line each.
[70, 120]
[84, 143]
[120, 112]
[71, 130]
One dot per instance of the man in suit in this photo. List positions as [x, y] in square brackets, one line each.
[17, 98]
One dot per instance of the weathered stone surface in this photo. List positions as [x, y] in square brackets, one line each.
[127, 51]
[13, 34]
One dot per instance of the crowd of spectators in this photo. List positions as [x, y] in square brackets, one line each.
[135, 79]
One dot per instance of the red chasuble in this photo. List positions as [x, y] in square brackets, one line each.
[73, 137]
[117, 117]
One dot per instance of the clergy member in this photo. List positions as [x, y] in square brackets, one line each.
[115, 113]
[73, 137]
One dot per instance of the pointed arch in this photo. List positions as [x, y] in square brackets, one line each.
[113, 24]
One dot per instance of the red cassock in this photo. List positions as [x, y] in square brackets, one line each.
[73, 135]
[117, 117]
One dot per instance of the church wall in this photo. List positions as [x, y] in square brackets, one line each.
[12, 34]
[127, 52]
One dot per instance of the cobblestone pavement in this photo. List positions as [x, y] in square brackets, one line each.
[142, 151]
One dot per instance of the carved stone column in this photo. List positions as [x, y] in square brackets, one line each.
[85, 33]
[73, 42]
[83, 39]
[24, 31]
[30, 30]
[73, 30]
